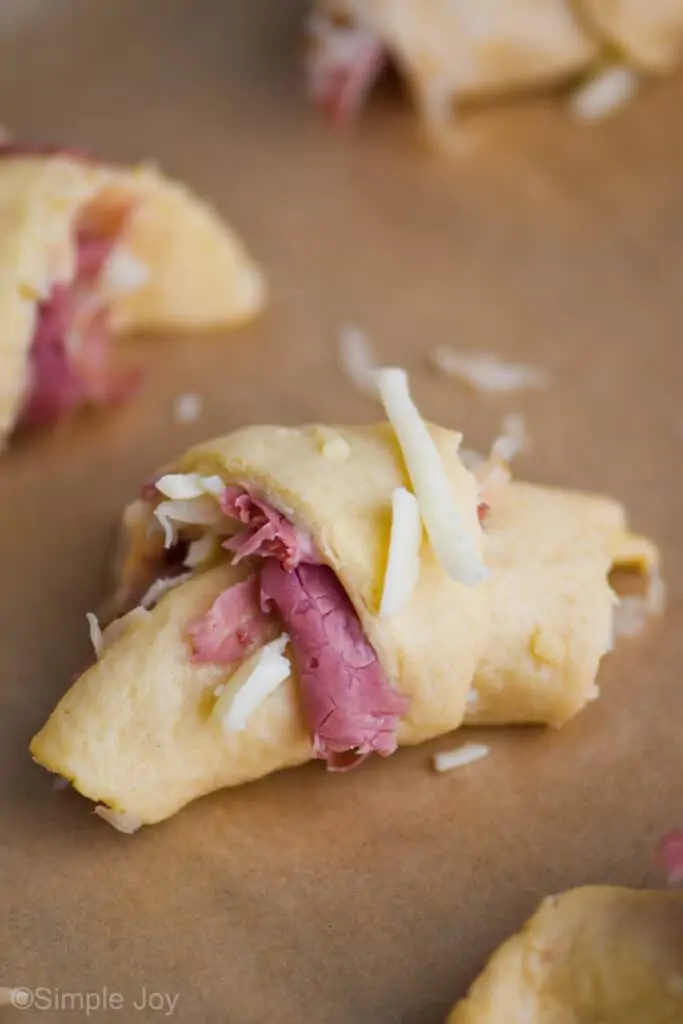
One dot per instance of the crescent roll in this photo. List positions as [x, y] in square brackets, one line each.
[289, 593]
[596, 953]
[88, 250]
[453, 51]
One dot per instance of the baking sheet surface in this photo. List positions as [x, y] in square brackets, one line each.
[374, 896]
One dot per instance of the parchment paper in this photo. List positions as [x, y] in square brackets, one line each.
[375, 896]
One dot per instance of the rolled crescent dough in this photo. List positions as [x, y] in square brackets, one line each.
[200, 275]
[591, 954]
[135, 732]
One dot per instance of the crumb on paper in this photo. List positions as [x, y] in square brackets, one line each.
[604, 94]
[120, 820]
[466, 754]
[357, 359]
[187, 408]
[488, 373]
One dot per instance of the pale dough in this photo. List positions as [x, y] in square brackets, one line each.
[200, 274]
[460, 50]
[593, 955]
[134, 731]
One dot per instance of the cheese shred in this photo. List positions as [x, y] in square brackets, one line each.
[453, 545]
[403, 562]
[255, 680]
[447, 760]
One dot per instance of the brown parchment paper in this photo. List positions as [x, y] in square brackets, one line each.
[375, 896]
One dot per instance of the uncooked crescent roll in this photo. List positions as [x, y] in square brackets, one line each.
[451, 51]
[89, 249]
[649, 33]
[290, 593]
[591, 954]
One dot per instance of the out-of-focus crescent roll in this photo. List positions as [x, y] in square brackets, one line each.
[89, 249]
[648, 32]
[590, 954]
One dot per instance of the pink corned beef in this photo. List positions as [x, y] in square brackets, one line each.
[69, 355]
[233, 627]
[267, 532]
[344, 63]
[671, 855]
[350, 707]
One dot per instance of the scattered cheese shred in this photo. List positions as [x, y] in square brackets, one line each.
[604, 94]
[471, 460]
[179, 486]
[120, 820]
[201, 551]
[357, 359]
[200, 511]
[487, 372]
[124, 272]
[631, 613]
[447, 760]
[96, 635]
[254, 681]
[452, 544]
[101, 639]
[494, 472]
[630, 616]
[161, 587]
[403, 562]
[512, 439]
[187, 408]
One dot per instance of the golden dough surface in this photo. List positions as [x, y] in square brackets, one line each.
[200, 275]
[592, 955]
[135, 730]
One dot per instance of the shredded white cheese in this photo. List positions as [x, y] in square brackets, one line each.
[124, 273]
[631, 613]
[512, 439]
[473, 698]
[452, 544]
[254, 681]
[96, 636]
[604, 94]
[189, 485]
[161, 587]
[487, 372]
[357, 359]
[101, 639]
[120, 820]
[199, 511]
[447, 760]
[187, 408]
[201, 551]
[59, 784]
[471, 460]
[494, 473]
[403, 562]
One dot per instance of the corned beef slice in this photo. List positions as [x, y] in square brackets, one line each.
[69, 354]
[344, 63]
[233, 627]
[267, 533]
[350, 708]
